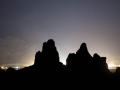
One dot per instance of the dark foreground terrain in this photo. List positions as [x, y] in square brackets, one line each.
[81, 70]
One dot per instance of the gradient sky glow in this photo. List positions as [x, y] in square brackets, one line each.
[26, 24]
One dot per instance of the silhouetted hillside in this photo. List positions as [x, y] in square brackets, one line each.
[48, 70]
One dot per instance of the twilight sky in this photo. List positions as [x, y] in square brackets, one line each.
[26, 24]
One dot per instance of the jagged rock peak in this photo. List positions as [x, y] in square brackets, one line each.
[49, 51]
[70, 59]
[70, 56]
[96, 55]
[38, 54]
[38, 57]
[84, 45]
[83, 49]
[51, 42]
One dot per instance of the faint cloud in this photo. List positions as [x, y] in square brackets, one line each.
[14, 50]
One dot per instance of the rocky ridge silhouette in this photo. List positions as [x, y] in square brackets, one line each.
[47, 68]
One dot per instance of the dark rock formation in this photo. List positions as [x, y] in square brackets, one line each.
[70, 60]
[84, 59]
[81, 68]
[49, 52]
[38, 59]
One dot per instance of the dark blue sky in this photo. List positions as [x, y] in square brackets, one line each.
[26, 24]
